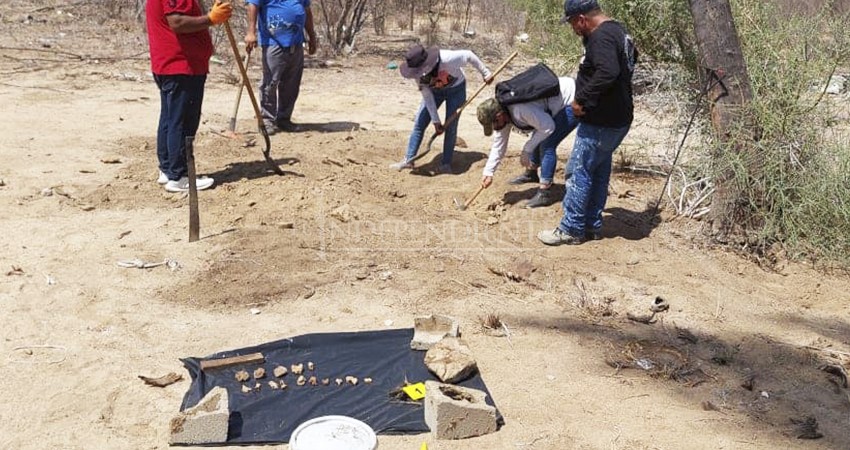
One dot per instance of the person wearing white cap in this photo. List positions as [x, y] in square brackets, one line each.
[440, 78]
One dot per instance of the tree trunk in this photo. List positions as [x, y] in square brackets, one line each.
[722, 67]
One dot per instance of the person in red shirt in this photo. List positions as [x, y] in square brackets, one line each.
[180, 48]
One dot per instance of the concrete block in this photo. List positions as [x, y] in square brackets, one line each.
[454, 412]
[428, 330]
[451, 360]
[204, 423]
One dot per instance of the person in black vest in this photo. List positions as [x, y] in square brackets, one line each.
[605, 108]
[549, 120]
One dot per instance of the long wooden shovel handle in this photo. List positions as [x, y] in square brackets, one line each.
[457, 112]
[238, 97]
[472, 199]
[243, 71]
[267, 152]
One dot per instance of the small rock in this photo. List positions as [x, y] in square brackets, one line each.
[301, 381]
[451, 360]
[361, 274]
[47, 192]
[245, 389]
[342, 213]
[255, 311]
[280, 371]
[2, 183]
[259, 373]
[242, 375]
[273, 384]
[297, 369]
[311, 366]
[351, 380]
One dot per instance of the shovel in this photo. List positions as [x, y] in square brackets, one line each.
[231, 131]
[262, 126]
[464, 205]
[456, 114]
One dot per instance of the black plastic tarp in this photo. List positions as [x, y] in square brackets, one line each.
[270, 416]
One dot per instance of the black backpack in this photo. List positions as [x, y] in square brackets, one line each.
[532, 84]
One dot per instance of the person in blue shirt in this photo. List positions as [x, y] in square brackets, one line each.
[281, 25]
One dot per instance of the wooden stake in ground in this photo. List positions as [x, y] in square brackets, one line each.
[194, 219]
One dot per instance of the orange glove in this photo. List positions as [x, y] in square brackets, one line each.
[220, 12]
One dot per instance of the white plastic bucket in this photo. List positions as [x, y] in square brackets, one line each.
[333, 433]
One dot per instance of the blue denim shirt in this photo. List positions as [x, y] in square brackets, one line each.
[281, 22]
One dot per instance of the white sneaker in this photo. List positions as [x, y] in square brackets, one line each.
[182, 185]
[401, 165]
[162, 178]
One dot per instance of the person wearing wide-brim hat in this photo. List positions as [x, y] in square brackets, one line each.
[549, 120]
[439, 77]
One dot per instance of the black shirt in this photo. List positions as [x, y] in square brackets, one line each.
[604, 82]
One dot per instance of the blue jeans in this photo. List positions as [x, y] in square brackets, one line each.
[454, 98]
[565, 123]
[588, 172]
[179, 116]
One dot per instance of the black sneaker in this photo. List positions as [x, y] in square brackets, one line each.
[287, 126]
[530, 176]
[593, 235]
[541, 198]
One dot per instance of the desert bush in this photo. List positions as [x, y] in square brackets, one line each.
[793, 182]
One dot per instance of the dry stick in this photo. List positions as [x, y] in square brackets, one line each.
[67, 5]
[65, 91]
[43, 50]
[708, 87]
[233, 360]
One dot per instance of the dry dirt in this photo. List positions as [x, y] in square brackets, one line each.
[341, 243]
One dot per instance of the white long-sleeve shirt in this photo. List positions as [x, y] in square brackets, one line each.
[451, 61]
[537, 115]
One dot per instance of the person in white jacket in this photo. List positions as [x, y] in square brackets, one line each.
[549, 120]
[439, 77]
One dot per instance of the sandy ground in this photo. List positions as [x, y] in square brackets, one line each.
[341, 243]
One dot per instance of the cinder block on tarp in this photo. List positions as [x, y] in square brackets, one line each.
[428, 330]
[204, 423]
[455, 412]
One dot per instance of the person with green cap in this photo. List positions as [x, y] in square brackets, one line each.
[549, 120]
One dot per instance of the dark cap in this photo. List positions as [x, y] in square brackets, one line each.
[576, 7]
